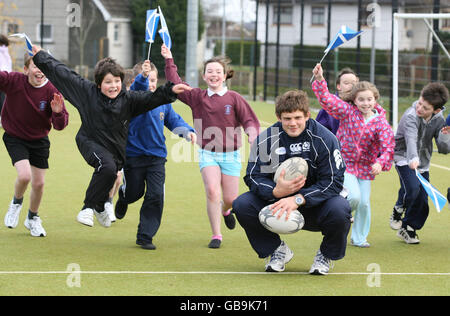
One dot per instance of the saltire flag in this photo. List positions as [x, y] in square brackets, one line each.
[27, 41]
[164, 31]
[437, 198]
[343, 36]
[150, 25]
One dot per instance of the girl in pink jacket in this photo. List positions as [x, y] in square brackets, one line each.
[367, 142]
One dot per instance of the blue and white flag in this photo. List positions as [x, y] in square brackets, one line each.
[343, 36]
[164, 31]
[27, 41]
[151, 25]
[438, 199]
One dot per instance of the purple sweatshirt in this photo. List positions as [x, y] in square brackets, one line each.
[27, 113]
[218, 117]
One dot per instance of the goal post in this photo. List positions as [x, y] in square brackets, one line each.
[395, 48]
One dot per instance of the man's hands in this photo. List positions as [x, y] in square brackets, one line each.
[283, 190]
[288, 187]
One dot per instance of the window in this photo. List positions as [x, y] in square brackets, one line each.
[116, 32]
[318, 15]
[286, 13]
[12, 28]
[48, 33]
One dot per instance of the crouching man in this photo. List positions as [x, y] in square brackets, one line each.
[317, 196]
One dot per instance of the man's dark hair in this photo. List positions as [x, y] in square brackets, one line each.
[291, 101]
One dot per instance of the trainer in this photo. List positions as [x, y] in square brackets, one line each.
[317, 197]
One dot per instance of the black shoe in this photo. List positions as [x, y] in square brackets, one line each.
[214, 243]
[121, 207]
[146, 245]
[448, 195]
[230, 221]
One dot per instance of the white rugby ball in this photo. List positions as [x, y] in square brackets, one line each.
[294, 167]
[280, 225]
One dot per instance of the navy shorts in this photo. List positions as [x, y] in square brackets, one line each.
[36, 151]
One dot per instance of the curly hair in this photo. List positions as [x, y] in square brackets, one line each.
[291, 101]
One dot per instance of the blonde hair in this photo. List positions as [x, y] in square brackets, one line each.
[358, 87]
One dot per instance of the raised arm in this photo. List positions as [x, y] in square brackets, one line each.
[70, 84]
[328, 101]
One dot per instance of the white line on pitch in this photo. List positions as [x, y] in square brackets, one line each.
[439, 166]
[222, 272]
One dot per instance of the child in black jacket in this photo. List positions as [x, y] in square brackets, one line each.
[106, 109]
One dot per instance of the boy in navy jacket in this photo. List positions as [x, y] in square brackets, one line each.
[317, 196]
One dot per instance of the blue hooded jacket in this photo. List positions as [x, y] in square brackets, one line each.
[146, 131]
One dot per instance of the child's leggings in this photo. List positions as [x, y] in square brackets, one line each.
[359, 199]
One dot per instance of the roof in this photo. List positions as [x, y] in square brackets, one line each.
[419, 3]
[112, 9]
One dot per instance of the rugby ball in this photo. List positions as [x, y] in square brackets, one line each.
[280, 225]
[294, 167]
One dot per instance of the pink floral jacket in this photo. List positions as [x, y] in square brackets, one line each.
[362, 143]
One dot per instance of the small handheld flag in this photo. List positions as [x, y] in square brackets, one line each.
[344, 35]
[164, 31]
[150, 28]
[27, 41]
[437, 198]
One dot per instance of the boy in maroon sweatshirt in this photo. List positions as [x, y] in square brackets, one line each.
[32, 106]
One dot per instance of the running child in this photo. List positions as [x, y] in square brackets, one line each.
[367, 142]
[218, 114]
[146, 152]
[422, 122]
[32, 107]
[105, 109]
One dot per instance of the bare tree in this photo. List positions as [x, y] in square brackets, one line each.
[88, 18]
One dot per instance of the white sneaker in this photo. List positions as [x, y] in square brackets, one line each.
[321, 264]
[408, 235]
[103, 218]
[12, 216]
[109, 208]
[279, 258]
[395, 221]
[86, 217]
[35, 226]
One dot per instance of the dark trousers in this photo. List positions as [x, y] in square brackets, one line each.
[412, 197]
[104, 176]
[141, 173]
[332, 218]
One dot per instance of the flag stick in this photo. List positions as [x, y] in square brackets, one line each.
[320, 62]
[149, 48]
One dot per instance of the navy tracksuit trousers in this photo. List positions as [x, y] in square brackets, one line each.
[146, 174]
[412, 197]
[332, 218]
